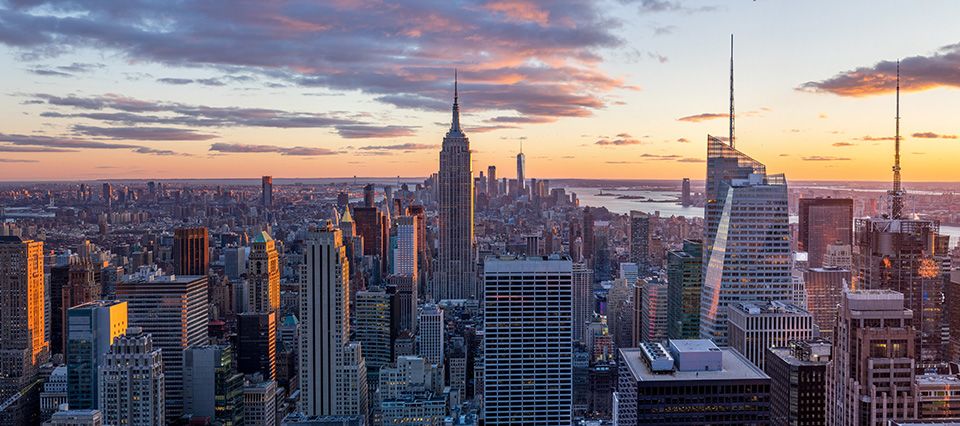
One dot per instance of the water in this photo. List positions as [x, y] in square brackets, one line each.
[589, 197]
[666, 202]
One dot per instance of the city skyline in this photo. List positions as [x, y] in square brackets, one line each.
[617, 92]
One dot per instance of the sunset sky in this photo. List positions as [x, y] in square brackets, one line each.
[598, 89]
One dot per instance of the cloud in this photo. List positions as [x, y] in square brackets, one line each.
[661, 156]
[368, 131]
[664, 30]
[60, 142]
[655, 6]
[184, 81]
[843, 144]
[163, 152]
[683, 140]
[621, 140]
[16, 160]
[538, 58]
[21, 148]
[917, 73]
[931, 135]
[65, 70]
[825, 158]
[248, 149]
[869, 138]
[142, 133]
[400, 147]
[703, 117]
[691, 160]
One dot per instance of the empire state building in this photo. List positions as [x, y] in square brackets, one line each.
[455, 277]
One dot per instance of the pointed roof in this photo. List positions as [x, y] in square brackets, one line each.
[346, 215]
[262, 237]
[455, 130]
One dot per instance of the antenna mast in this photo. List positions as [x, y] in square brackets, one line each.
[897, 193]
[732, 115]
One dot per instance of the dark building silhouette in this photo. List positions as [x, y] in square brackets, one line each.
[191, 251]
[257, 344]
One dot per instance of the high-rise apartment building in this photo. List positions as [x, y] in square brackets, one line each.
[640, 238]
[257, 344]
[871, 380]
[798, 384]
[824, 221]
[132, 382]
[266, 191]
[328, 361]
[91, 329]
[684, 282]
[754, 327]
[582, 300]
[263, 275]
[527, 346]
[746, 237]
[173, 310]
[191, 251]
[23, 341]
[685, 199]
[689, 382]
[455, 277]
[212, 387]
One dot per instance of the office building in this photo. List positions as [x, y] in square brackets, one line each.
[87, 417]
[640, 238]
[235, 262]
[132, 381]
[91, 329]
[824, 288]
[798, 382]
[54, 392]
[456, 272]
[212, 387]
[411, 392]
[191, 251]
[689, 382]
[263, 275]
[430, 338]
[81, 287]
[405, 256]
[23, 340]
[521, 171]
[756, 326]
[652, 309]
[373, 328]
[582, 300]
[326, 355]
[257, 344]
[373, 226]
[260, 402]
[824, 221]
[938, 397]
[746, 237]
[266, 191]
[527, 345]
[871, 379]
[684, 282]
[173, 310]
[404, 303]
[492, 181]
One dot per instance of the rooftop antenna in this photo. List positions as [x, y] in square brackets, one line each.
[897, 192]
[732, 115]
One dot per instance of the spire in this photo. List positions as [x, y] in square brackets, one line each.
[732, 115]
[455, 125]
[896, 202]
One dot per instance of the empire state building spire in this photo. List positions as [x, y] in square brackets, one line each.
[455, 124]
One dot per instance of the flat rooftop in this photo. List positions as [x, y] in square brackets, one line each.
[735, 366]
